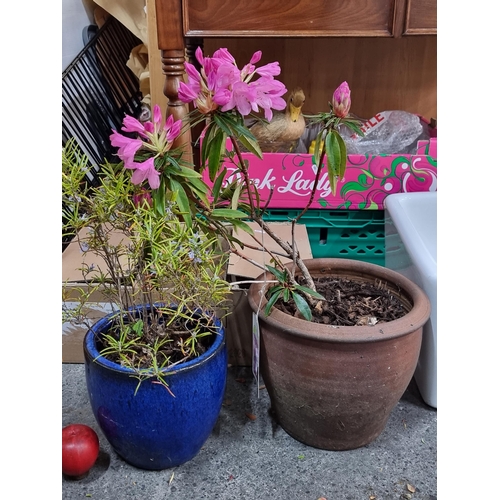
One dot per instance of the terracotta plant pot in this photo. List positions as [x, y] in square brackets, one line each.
[334, 387]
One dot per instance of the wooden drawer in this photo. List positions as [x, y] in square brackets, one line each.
[220, 18]
[421, 17]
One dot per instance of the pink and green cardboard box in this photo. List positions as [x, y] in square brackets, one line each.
[368, 179]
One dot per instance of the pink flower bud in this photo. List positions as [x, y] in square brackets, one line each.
[342, 100]
[256, 57]
[143, 197]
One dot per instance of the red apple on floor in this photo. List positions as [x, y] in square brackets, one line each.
[80, 448]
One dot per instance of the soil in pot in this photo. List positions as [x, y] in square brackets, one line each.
[171, 352]
[350, 303]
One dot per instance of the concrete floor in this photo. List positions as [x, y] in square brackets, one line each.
[256, 459]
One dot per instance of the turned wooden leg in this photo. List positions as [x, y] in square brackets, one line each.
[173, 68]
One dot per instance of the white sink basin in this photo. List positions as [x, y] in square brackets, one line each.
[411, 249]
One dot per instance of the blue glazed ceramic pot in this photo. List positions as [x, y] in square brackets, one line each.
[152, 429]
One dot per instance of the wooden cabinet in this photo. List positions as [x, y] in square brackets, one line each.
[401, 64]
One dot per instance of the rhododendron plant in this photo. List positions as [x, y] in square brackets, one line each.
[223, 95]
[163, 185]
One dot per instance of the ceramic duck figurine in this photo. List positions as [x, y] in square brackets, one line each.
[283, 127]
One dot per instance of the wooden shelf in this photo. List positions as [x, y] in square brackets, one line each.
[319, 44]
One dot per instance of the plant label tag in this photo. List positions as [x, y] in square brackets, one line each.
[255, 348]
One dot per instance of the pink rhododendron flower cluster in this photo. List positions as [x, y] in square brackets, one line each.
[341, 100]
[221, 85]
[152, 137]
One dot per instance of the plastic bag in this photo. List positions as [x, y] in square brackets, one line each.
[388, 132]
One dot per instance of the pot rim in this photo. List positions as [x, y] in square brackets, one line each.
[414, 319]
[93, 355]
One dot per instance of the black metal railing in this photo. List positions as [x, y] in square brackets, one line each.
[98, 89]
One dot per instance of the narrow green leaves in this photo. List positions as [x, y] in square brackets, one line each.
[318, 149]
[228, 213]
[239, 224]
[354, 126]
[218, 184]
[280, 275]
[218, 146]
[252, 145]
[182, 201]
[310, 291]
[159, 198]
[272, 300]
[336, 157]
[287, 291]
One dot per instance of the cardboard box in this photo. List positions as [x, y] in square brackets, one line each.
[72, 335]
[287, 178]
[238, 324]
[74, 258]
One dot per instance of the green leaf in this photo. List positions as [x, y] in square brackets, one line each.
[310, 291]
[252, 145]
[197, 187]
[302, 306]
[240, 129]
[188, 172]
[354, 126]
[196, 182]
[271, 302]
[206, 144]
[218, 146]
[217, 184]
[343, 155]
[332, 152]
[317, 148]
[220, 120]
[182, 201]
[336, 158]
[280, 275]
[159, 198]
[274, 289]
[138, 327]
[228, 213]
[236, 197]
[238, 224]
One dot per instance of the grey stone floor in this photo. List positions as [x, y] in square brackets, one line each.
[256, 459]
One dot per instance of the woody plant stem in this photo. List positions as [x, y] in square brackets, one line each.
[291, 251]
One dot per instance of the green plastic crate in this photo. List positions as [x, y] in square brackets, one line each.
[351, 234]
